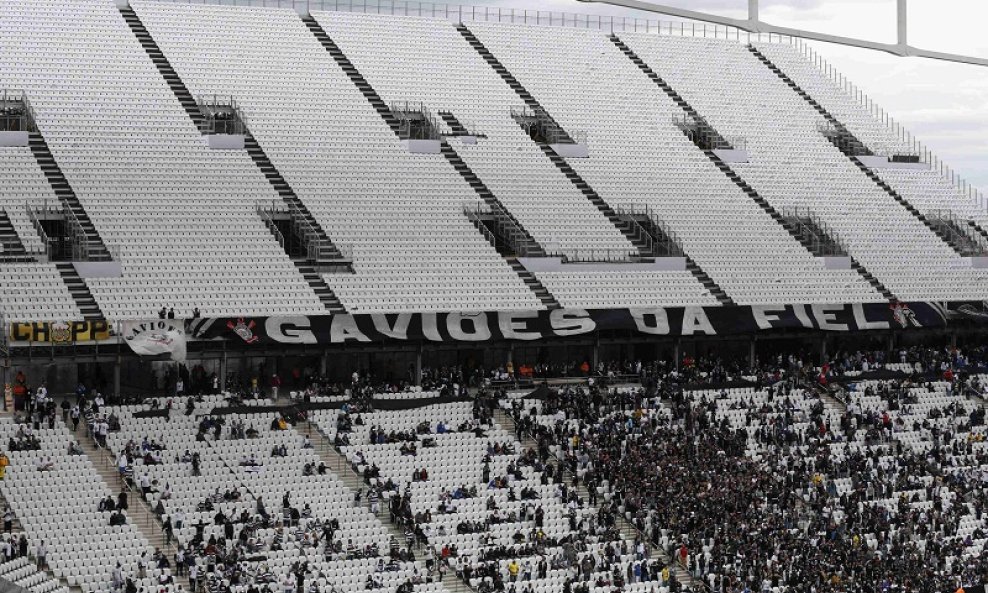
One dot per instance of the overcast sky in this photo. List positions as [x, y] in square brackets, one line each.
[942, 104]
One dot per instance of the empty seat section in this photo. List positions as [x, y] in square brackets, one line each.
[639, 157]
[792, 164]
[183, 215]
[401, 213]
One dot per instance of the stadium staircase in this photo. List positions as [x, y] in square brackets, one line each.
[514, 240]
[353, 74]
[729, 172]
[588, 192]
[852, 148]
[94, 246]
[11, 248]
[533, 284]
[341, 468]
[164, 67]
[963, 236]
[139, 513]
[447, 151]
[512, 82]
[562, 137]
[330, 256]
[79, 291]
[628, 531]
[456, 128]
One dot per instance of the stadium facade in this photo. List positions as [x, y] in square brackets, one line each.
[309, 179]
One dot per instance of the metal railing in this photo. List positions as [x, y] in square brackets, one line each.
[462, 13]
[547, 128]
[596, 255]
[266, 212]
[415, 121]
[667, 244]
[907, 143]
[316, 247]
[822, 238]
[16, 114]
[83, 249]
[703, 134]
[223, 115]
[968, 241]
[506, 229]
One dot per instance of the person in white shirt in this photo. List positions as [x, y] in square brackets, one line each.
[193, 575]
[41, 555]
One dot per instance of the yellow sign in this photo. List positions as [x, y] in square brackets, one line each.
[59, 332]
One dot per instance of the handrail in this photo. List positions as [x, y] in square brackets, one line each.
[222, 115]
[960, 232]
[906, 138]
[462, 13]
[16, 114]
[829, 244]
[669, 247]
[266, 216]
[517, 239]
[554, 131]
[402, 111]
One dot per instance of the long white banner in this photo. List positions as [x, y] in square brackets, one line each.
[153, 338]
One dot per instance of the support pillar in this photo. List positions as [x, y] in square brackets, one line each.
[418, 364]
[953, 340]
[222, 373]
[595, 357]
[324, 364]
[823, 349]
[5, 380]
[675, 354]
[901, 24]
[890, 343]
[751, 353]
[116, 378]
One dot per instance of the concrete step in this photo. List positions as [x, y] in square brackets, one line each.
[139, 513]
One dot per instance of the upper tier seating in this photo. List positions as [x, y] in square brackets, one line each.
[442, 71]
[29, 292]
[401, 213]
[792, 164]
[638, 156]
[183, 215]
[925, 188]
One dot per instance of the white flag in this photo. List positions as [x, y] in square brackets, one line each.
[161, 336]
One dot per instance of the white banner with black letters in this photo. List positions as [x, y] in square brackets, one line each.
[154, 338]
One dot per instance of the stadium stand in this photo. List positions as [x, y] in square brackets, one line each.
[866, 469]
[793, 164]
[632, 124]
[759, 264]
[49, 298]
[328, 141]
[859, 471]
[178, 210]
